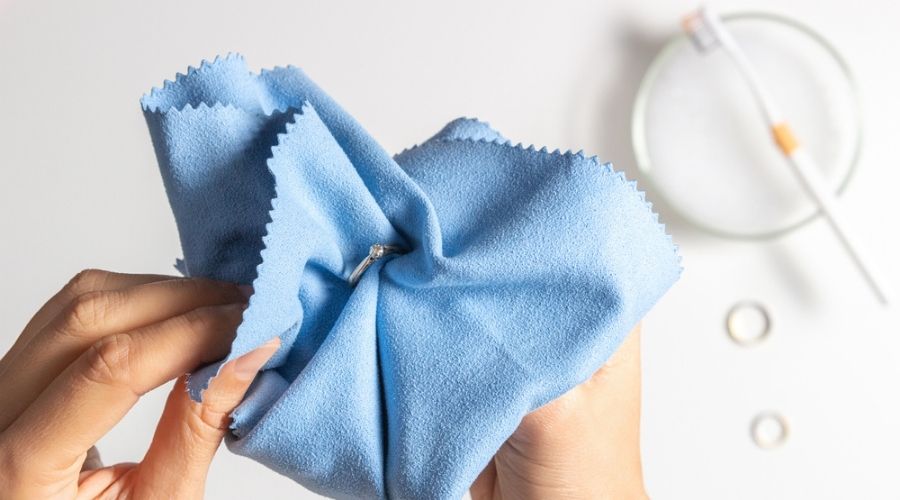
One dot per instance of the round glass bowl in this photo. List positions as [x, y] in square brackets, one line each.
[704, 146]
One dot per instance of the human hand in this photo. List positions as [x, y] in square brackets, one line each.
[585, 444]
[84, 360]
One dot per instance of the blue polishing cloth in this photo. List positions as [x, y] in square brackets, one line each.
[522, 272]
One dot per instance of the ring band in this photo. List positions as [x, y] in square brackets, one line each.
[734, 331]
[376, 252]
[764, 441]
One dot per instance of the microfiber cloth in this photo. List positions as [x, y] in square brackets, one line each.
[522, 271]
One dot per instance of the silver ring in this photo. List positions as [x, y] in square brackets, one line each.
[763, 440]
[742, 338]
[376, 252]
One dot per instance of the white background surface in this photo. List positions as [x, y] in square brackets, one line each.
[80, 189]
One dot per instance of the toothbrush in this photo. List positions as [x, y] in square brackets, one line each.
[707, 31]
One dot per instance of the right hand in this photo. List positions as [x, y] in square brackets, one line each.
[585, 444]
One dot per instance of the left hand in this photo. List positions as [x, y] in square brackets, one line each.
[84, 360]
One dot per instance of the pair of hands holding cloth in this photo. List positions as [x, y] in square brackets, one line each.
[469, 357]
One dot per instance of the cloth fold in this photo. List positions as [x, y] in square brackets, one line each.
[523, 272]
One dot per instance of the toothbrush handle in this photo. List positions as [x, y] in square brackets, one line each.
[803, 164]
[809, 177]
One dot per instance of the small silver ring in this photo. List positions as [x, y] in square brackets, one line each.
[760, 438]
[376, 252]
[733, 330]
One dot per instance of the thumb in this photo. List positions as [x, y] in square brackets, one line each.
[189, 433]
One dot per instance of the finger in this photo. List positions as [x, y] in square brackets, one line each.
[96, 391]
[485, 483]
[94, 315]
[189, 433]
[89, 280]
[614, 402]
[107, 482]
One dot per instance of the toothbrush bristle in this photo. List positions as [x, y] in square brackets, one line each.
[696, 28]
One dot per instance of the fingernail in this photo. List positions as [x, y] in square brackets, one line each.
[233, 308]
[247, 290]
[247, 366]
